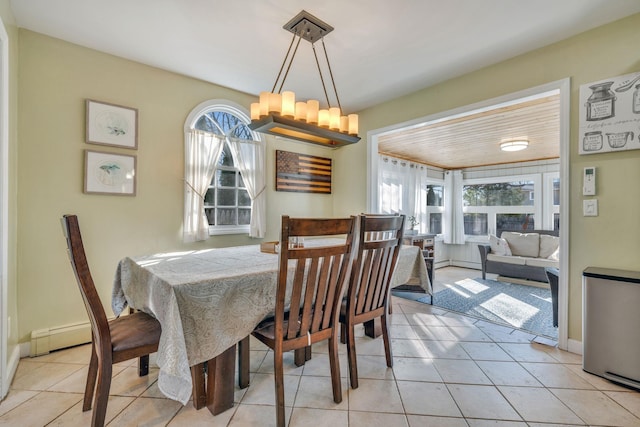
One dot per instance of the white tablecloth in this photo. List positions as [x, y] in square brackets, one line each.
[208, 300]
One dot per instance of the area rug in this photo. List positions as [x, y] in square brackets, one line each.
[519, 306]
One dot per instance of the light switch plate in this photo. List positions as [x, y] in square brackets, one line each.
[590, 207]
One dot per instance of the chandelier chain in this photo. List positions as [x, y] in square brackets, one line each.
[293, 39]
[333, 82]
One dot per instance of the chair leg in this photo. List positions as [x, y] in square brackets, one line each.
[91, 380]
[102, 393]
[301, 355]
[387, 342]
[278, 369]
[334, 364]
[343, 333]
[351, 355]
[244, 357]
[143, 366]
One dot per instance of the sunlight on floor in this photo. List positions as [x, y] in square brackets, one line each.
[507, 307]
[472, 286]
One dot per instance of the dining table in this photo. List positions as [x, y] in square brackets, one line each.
[206, 302]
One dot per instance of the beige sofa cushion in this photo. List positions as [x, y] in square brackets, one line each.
[499, 246]
[541, 262]
[516, 260]
[523, 244]
[548, 245]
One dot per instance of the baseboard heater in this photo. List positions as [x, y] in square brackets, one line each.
[610, 324]
[44, 341]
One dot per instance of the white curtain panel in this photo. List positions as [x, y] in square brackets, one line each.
[249, 157]
[201, 153]
[453, 220]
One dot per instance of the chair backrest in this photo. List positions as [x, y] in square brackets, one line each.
[95, 310]
[379, 243]
[311, 279]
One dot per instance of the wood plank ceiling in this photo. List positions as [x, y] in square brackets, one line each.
[474, 139]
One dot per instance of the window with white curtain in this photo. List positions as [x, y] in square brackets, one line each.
[231, 198]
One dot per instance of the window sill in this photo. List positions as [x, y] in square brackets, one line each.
[219, 231]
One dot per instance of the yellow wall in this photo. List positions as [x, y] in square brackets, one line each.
[12, 285]
[55, 79]
[609, 240]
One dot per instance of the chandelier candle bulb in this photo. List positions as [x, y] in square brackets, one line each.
[275, 103]
[344, 124]
[313, 106]
[353, 124]
[301, 111]
[288, 104]
[264, 104]
[334, 118]
[323, 118]
[255, 111]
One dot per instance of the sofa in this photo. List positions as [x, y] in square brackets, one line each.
[521, 255]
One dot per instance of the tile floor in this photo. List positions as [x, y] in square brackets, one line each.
[449, 370]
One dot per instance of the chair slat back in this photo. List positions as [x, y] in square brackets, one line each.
[314, 276]
[77, 256]
[380, 240]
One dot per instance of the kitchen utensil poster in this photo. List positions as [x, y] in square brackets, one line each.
[610, 115]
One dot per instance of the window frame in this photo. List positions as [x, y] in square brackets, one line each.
[435, 209]
[229, 107]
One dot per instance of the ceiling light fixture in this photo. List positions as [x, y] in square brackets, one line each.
[514, 145]
[278, 113]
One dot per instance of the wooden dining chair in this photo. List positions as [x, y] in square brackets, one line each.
[379, 242]
[311, 281]
[133, 336]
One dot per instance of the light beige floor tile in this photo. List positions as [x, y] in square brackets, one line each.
[454, 319]
[398, 318]
[596, 408]
[406, 348]
[423, 319]
[128, 383]
[460, 372]
[74, 417]
[372, 367]
[15, 398]
[485, 351]
[444, 350]
[319, 366]
[319, 418]
[43, 376]
[376, 396]
[563, 356]
[191, 417]
[27, 366]
[40, 410]
[148, 412]
[421, 398]
[556, 375]
[257, 415]
[317, 392]
[514, 336]
[469, 333]
[477, 401]
[429, 421]
[434, 333]
[508, 373]
[539, 405]
[498, 423]
[415, 369]
[527, 353]
[596, 381]
[376, 419]
[403, 332]
[75, 383]
[290, 367]
[368, 346]
[262, 390]
[256, 358]
[630, 400]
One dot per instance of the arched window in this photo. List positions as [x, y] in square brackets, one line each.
[224, 173]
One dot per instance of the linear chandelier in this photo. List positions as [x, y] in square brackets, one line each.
[278, 113]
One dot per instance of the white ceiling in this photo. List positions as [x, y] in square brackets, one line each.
[379, 50]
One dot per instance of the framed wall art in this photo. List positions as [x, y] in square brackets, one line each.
[610, 115]
[108, 173]
[302, 173]
[110, 124]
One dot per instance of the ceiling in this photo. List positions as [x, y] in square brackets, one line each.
[379, 49]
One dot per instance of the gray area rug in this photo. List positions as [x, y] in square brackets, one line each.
[519, 306]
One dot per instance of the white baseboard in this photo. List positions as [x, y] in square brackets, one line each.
[12, 366]
[465, 264]
[574, 346]
[44, 341]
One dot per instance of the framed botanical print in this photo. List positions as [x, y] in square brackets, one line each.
[110, 124]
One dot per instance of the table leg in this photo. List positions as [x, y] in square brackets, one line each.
[199, 393]
[220, 377]
[373, 328]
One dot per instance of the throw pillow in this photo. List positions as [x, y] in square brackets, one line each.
[499, 246]
[555, 256]
[548, 245]
[527, 244]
